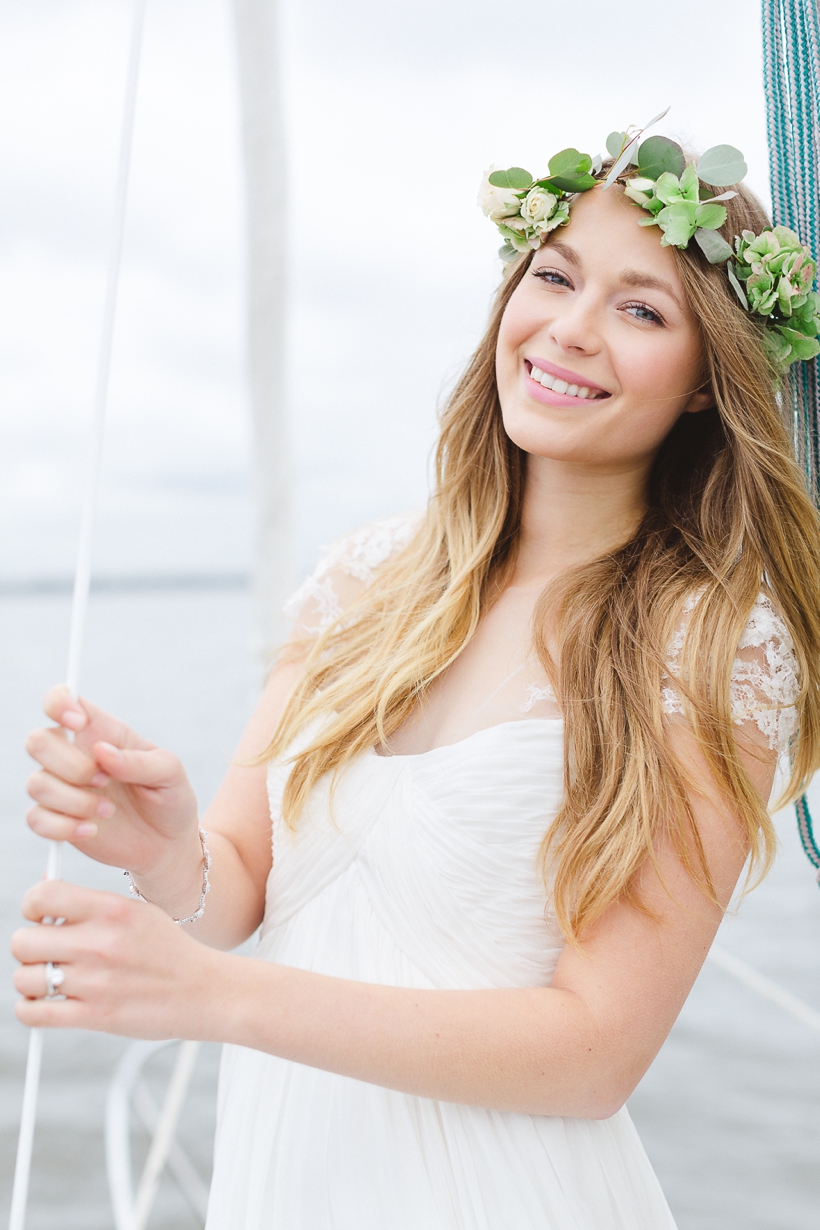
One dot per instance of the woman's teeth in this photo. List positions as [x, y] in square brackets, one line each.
[560, 386]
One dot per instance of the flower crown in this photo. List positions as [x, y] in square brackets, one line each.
[772, 273]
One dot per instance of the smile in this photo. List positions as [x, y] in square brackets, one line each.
[566, 390]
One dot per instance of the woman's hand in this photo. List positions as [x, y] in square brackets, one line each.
[127, 969]
[114, 795]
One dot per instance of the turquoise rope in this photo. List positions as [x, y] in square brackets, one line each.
[804, 825]
[791, 83]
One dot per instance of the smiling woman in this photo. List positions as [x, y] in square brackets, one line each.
[638, 360]
[505, 775]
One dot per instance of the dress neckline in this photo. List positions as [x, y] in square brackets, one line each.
[445, 747]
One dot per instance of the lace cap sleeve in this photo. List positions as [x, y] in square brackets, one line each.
[765, 681]
[344, 569]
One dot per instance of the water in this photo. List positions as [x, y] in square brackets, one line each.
[728, 1112]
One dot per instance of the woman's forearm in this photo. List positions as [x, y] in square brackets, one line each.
[531, 1050]
[233, 904]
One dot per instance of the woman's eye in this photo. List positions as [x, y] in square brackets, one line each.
[642, 311]
[552, 276]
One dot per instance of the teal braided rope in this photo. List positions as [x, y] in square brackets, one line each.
[791, 80]
[806, 830]
[791, 83]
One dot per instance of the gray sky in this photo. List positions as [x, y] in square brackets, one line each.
[393, 111]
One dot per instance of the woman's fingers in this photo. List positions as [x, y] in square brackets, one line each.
[153, 767]
[32, 980]
[61, 707]
[50, 748]
[125, 967]
[57, 899]
[58, 796]
[54, 827]
[52, 1013]
[88, 721]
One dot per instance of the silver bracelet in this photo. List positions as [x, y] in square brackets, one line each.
[206, 883]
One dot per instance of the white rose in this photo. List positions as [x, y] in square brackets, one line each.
[497, 203]
[538, 206]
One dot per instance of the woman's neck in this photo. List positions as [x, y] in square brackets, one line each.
[572, 515]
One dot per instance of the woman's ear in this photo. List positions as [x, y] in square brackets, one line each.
[703, 399]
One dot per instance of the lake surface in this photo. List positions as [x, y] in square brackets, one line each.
[729, 1112]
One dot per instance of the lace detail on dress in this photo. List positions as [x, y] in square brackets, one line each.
[536, 694]
[764, 682]
[317, 603]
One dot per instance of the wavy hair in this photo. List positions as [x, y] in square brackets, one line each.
[728, 514]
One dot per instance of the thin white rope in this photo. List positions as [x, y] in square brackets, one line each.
[765, 987]
[82, 575]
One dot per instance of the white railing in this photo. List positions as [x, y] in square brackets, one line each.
[128, 1090]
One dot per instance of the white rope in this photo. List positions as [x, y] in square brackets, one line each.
[765, 987]
[82, 575]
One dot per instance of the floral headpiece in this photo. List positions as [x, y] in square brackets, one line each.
[772, 273]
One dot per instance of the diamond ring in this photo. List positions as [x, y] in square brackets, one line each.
[55, 978]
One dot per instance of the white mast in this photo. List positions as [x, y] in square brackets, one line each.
[264, 158]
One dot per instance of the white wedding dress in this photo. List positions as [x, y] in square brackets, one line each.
[425, 876]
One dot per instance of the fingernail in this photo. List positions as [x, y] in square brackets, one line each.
[109, 749]
[100, 779]
[86, 829]
[105, 809]
[73, 719]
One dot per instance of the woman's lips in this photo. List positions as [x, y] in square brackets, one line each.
[562, 387]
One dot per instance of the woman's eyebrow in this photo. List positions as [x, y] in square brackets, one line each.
[629, 277]
[565, 250]
[649, 281]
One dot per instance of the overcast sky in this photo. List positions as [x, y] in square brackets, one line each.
[393, 111]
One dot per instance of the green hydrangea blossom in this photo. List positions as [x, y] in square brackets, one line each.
[674, 205]
[775, 274]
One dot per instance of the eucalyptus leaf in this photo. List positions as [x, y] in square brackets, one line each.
[514, 177]
[659, 155]
[507, 253]
[713, 246]
[622, 162]
[724, 196]
[615, 143]
[652, 123]
[569, 164]
[566, 183]
[721, 166]
[739, 291]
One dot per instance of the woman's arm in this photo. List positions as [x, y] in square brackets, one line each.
[576, 1048]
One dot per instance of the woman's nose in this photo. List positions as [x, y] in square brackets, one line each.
[577, 326]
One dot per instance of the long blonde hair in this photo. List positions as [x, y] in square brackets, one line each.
[728, 513]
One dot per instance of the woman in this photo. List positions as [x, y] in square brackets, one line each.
[512, 761]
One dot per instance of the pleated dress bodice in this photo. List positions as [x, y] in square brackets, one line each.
[418, 871]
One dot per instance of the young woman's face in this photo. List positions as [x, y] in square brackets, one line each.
[601, 316]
